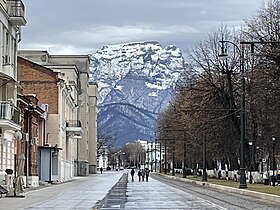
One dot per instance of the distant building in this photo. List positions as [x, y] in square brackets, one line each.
[152, 157]
[102, 158]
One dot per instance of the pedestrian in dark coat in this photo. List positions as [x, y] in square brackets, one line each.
[143, 174]
[139, 175]
[147, 172]
[132, 172]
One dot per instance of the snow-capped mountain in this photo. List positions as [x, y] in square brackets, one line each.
[135, 83]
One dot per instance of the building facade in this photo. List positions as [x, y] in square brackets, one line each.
[33, 134]
[153, 155]
[56, 154]
[85, 149]
[102, 158]
[11, 20]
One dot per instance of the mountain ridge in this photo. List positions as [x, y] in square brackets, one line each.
[134, 79]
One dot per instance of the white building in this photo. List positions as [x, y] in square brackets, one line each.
[102, 158]
[11, 19]
[152, 155]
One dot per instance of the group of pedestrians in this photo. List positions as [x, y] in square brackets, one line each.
[142, 174]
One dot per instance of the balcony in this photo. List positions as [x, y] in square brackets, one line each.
[74, 127]
[9, 116]
[16, 11]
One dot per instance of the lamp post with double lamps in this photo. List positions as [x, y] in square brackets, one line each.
[224, 55]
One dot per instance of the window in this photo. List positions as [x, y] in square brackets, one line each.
[7, 48]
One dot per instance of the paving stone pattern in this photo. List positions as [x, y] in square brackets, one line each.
[116, 197]
[153, 195]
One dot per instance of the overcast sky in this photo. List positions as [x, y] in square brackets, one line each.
[82, 27]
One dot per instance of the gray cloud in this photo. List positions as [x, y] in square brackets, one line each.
[68, 26]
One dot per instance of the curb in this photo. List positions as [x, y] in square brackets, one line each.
[264, 196]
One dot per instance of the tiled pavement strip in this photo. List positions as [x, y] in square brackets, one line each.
[116, 197]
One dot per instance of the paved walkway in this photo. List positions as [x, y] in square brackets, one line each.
[89, 193]
[153, 195]
[83, 193]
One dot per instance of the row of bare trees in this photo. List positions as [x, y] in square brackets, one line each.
[132, 154]
[207, 99]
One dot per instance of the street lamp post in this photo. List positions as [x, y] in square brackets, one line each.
[160, 159]
[148, 156]
[173, 158]
[155, 156]
[251, 158]
[223, 55]
[242, 111]
[204, 175]
[165, 158]
[119, 161]
[260, 156]
[185, 155]
[273, 161]
[152, 157]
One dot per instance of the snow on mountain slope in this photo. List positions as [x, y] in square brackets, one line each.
[135, 83]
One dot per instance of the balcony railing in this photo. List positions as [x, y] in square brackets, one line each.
[16, 11]
[9, 112]
[74, 127]
[73, 123]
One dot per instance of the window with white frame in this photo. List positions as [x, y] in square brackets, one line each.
[8, 43]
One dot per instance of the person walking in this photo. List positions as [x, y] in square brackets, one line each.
[147, 172]
[143, 174]
[132, 172]
[101, 170]
[139, 175]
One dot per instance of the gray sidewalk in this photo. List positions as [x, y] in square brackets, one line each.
[155, 195]
[82, 193]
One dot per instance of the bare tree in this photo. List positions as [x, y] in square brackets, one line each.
[132, 151]
[264, 85]
[211, 101]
